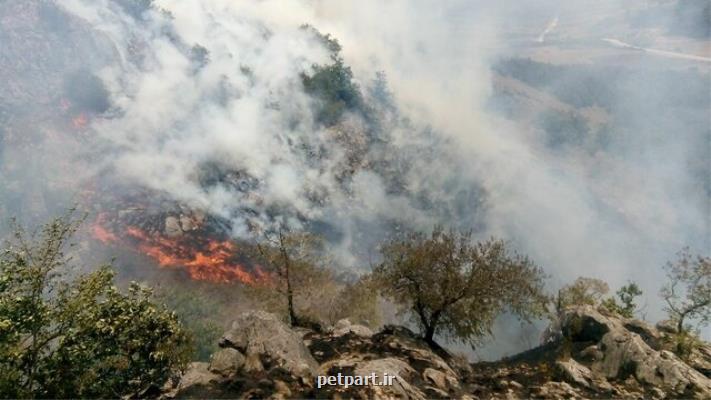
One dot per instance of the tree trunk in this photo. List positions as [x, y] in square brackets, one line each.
[432, 326]
[290, 301]
[289, 290]
[429, 334]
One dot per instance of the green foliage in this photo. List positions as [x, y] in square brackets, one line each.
[301, 278]
[306, 292]
[683, 344]
[358, 301]
[584, 291]
[198, 313]
[86, 92]
[564, 128]
[455, 288]
[332, 85]
[380, 92]
[329, 42]
[627, 295]
[688, 292]
[601, 85]
[62, 338]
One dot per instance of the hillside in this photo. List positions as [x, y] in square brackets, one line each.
[246, 199]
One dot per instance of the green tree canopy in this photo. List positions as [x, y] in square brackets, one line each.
[81, 337]
[457, 288]
[627, 305]
[584, 291]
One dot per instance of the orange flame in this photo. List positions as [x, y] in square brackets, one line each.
[214, 261]
[80, 121]
[101, 233]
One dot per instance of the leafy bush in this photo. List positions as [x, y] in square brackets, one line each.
[584, 291]
[304, 290]
[200, 314]
[86, 92]
[357, 301]
[332, 85]
[62, 338]
[627, 295]
[682, 343]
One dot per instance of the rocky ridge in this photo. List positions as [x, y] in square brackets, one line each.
[596, 355]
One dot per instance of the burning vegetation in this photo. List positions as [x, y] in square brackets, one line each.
[205, 255]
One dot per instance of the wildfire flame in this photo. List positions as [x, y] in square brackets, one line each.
[80, 121]
[206, 259]
[99, 232]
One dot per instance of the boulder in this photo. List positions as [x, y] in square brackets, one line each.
[584, 324]
[403, 373]
[700, 359]
[262, 335]
[574, 372]
[197, 382]
[666, 326]
[436, 378]
[172, 227]
[344, 327]
[626, 354]
[555, 390]
[591, 353]
[648, 333]
[226, 362]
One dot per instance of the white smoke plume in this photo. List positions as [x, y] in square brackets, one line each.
[617, 213]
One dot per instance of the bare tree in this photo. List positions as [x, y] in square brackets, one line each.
[296, 259]
[688, 292]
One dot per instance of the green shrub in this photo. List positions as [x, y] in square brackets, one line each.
[80, 337]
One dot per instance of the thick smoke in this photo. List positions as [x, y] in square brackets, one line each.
[208, 106]
[616, 211]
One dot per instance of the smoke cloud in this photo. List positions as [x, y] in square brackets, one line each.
[214, 89]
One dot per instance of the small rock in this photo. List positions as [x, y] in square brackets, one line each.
[393, 367]
[515, 385]
[501, 384]
[281, 390]
[344, 327]
[666, 326]
[436, 392]
[574, 372]
[658, 394]
[437, 378]
[226, 361]
[253, 364]
[555, 390]
[197, 382]
[172, 227]
[591, 353]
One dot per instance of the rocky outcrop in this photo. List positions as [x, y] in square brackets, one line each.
[395, 351]
[628, 351]
[596, 356]
[265, 340]
[345, 327]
